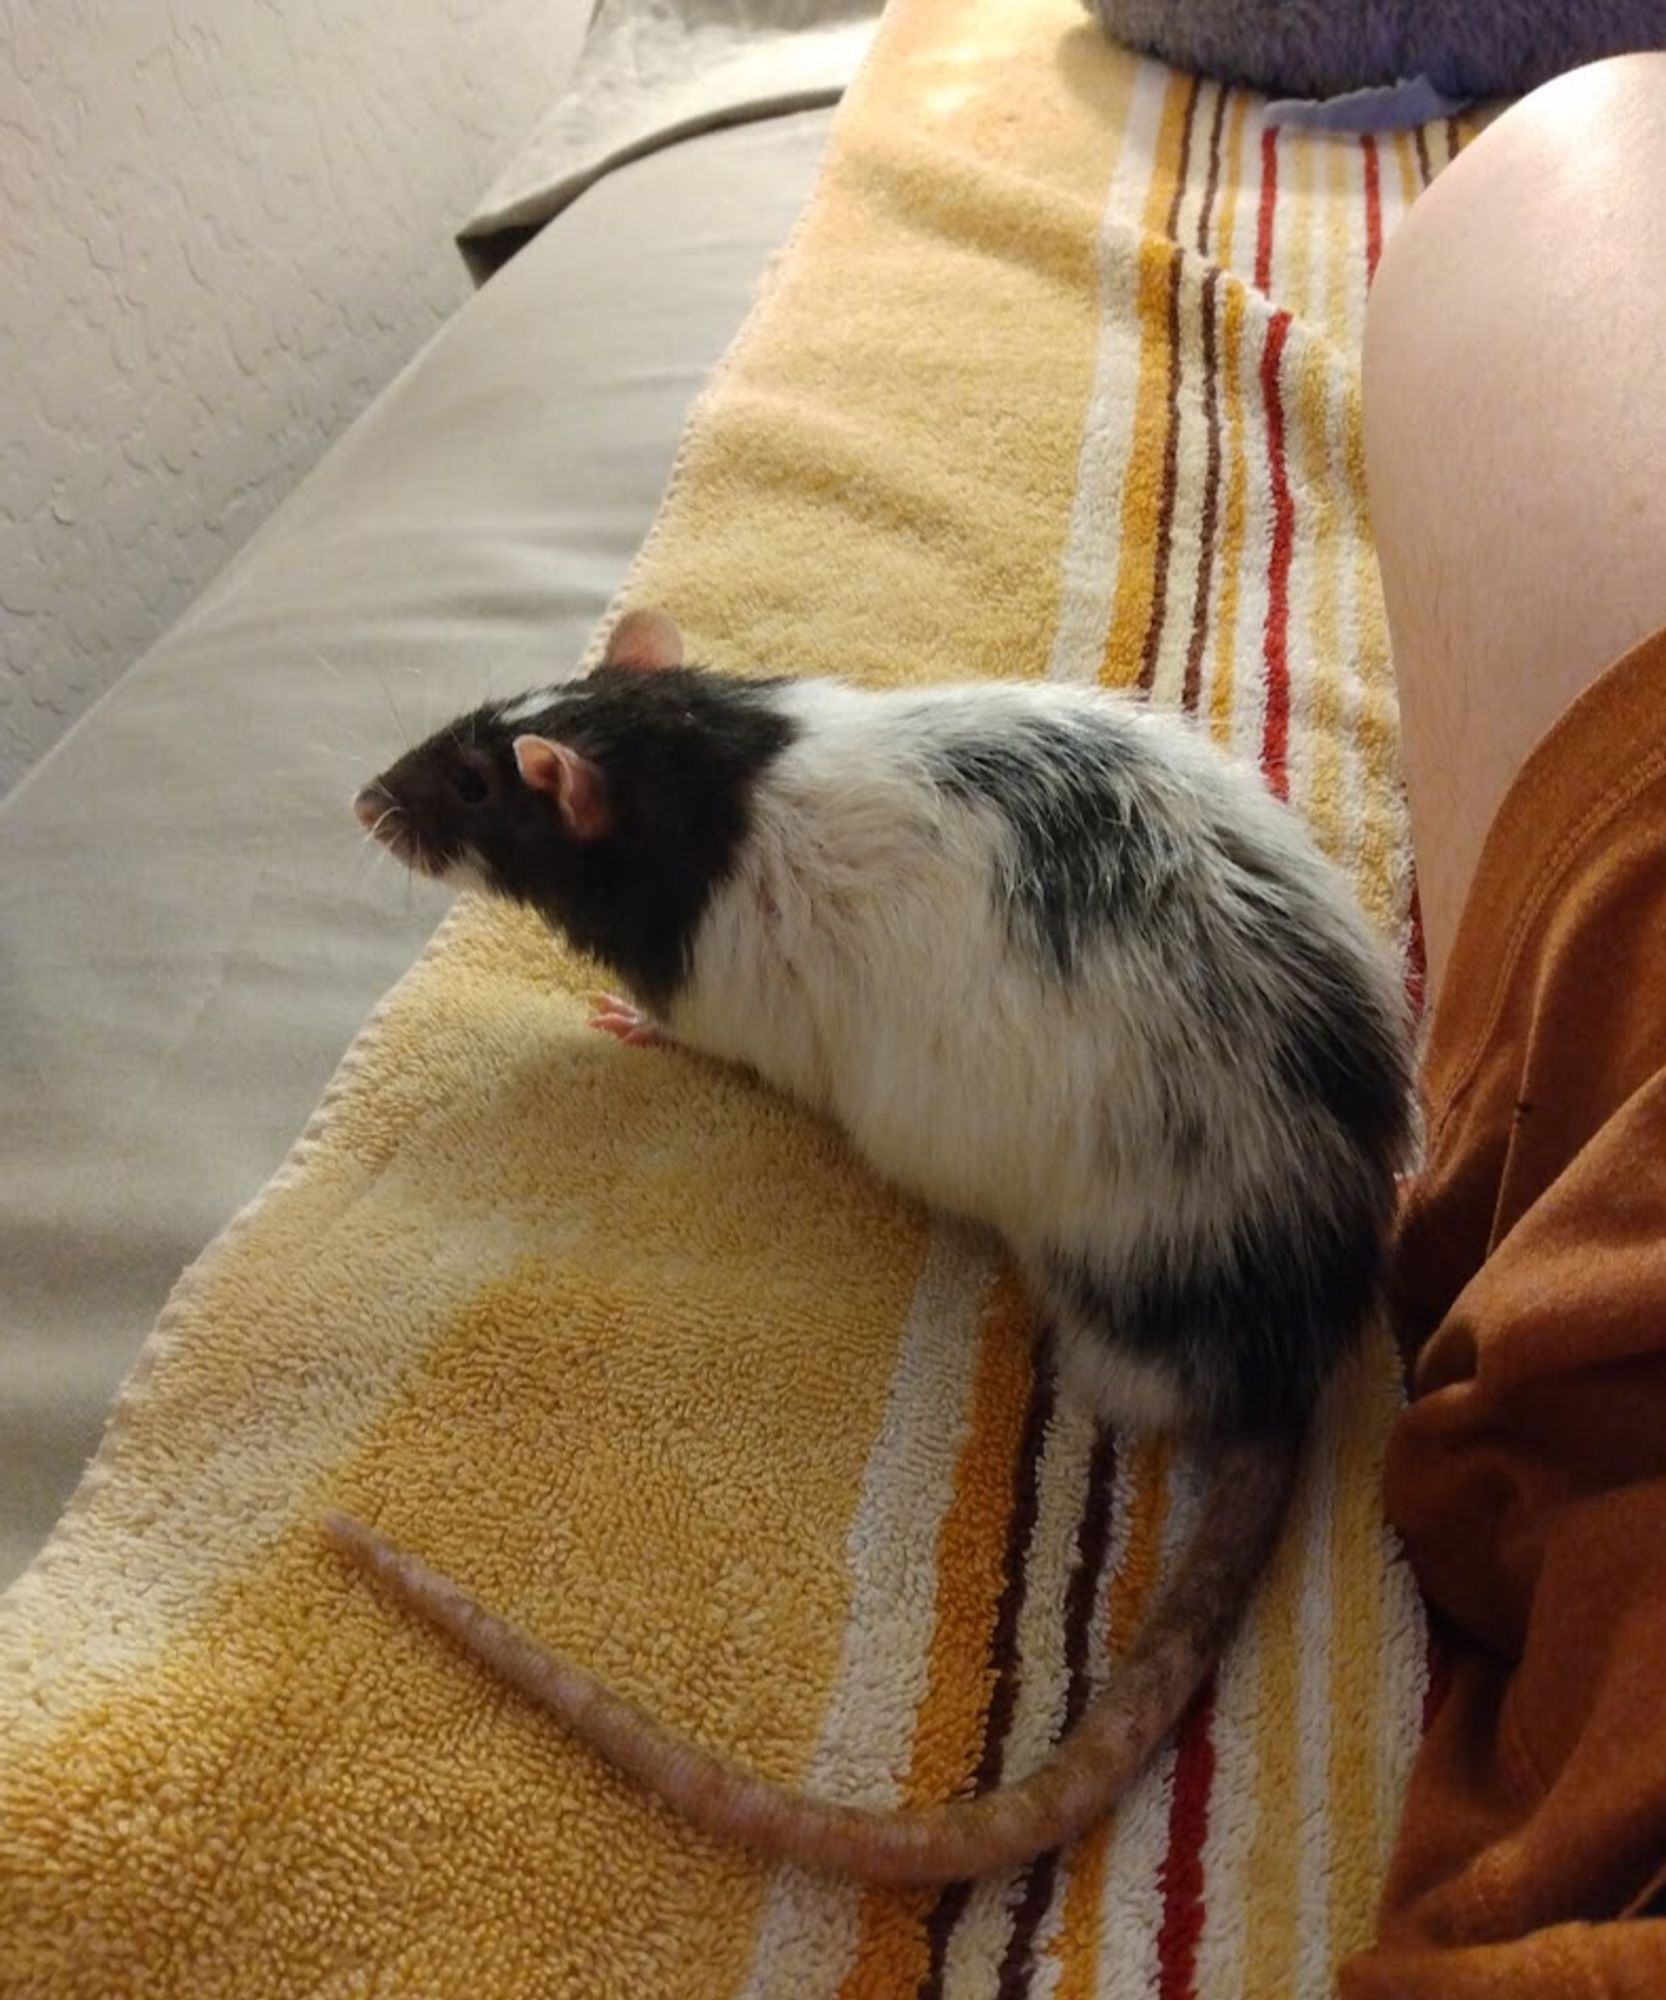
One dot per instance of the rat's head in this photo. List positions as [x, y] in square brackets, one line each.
[504, 798]
[612, 804]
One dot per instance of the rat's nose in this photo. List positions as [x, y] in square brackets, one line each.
[370, 807]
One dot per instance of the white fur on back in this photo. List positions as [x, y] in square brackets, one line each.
[858, 959]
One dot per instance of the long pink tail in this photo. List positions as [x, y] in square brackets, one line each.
[1149, 1691]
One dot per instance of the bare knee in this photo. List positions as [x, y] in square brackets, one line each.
[1526, 255]
[1526, 285]
[1515, 395]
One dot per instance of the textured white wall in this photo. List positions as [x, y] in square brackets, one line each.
[224, 224]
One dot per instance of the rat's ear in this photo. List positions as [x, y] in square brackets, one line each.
[572, 784]
[645, 640]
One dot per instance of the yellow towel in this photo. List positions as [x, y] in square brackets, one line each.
[1057, 377]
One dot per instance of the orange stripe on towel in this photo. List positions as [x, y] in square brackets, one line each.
[1142, 499]
[892, 1953]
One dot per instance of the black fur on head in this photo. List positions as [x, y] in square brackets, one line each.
[612, 805]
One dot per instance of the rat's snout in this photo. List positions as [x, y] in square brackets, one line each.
[424, 808]
[394, 815]
[371, 806]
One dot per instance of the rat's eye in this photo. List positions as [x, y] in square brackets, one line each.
[468, 781]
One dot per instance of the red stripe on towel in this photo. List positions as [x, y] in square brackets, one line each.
[1275, 738]
[1417, 957]
[1264, 220]
[1373, 209]
[1181, 1875]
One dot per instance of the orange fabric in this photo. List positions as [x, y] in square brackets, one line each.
[1528, 1474]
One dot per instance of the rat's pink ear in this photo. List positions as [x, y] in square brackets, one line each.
[571, 782]
[646, 640]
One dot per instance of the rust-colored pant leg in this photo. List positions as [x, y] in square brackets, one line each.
[1528, 1474]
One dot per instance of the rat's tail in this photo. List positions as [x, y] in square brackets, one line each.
[1149, 1690]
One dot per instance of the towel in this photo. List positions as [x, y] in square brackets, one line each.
[1058, 376]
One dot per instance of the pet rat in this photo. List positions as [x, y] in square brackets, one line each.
[1053, 962]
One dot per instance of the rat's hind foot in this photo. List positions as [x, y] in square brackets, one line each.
[626, 1023]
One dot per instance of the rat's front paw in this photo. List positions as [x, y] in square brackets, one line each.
[626, 1023]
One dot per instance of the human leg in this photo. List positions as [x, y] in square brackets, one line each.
[1515, 414]
[1514, 394]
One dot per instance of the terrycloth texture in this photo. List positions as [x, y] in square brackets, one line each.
[637, 1351]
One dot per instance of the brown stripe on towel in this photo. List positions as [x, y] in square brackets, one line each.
[1192, 680]
[1092, 1539]
[1003, 1645]
[1425, 171]
[1080, 1947]
[1140, 479]
[1211, 186]
[1171, 426]
[1211, 494]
